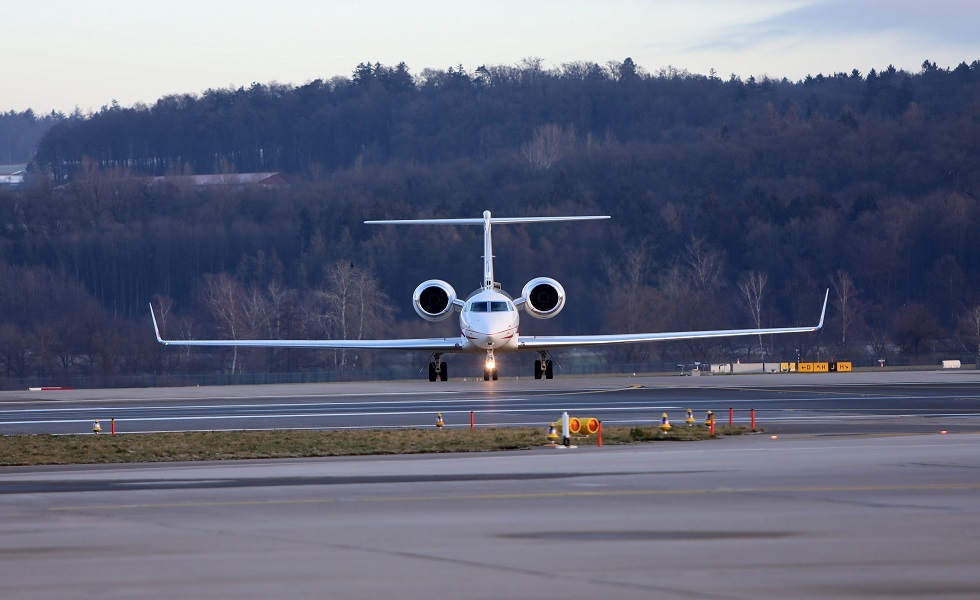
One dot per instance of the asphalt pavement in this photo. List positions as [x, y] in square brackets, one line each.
[827, 403]
[851, 492]
[745, 517]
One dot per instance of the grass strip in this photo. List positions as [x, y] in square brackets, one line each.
[29, 450]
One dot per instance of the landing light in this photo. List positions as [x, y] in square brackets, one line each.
[490, 364]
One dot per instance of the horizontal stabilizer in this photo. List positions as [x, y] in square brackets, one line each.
[493, 220]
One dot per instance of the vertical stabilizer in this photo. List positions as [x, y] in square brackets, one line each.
[487, 253]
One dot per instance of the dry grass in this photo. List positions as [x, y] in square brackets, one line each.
[232, 445]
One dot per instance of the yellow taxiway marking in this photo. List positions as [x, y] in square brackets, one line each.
[545, 495]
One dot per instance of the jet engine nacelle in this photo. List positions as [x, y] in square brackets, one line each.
[543, 297]
[434, 300]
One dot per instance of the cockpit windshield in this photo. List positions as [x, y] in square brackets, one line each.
[494, 306]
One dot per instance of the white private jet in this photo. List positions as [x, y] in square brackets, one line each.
[489, 317]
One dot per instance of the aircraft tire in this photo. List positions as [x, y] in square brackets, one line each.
[537, 369]
[432, 371]
[549, 370]
[443, 372]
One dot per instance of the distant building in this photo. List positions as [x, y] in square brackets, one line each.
[231, 179]
[12, 175]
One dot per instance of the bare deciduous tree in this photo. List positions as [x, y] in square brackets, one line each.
[627, 276]
[847, 304]
[916, 328]
[752, 290]
[548, 145]
[224, 298]
[633, 306]
[691, 290]
[706, 264]
[356, 306]
[968, 332]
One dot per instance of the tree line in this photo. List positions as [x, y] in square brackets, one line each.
[382, 114]
[734, 203]
[21, 131]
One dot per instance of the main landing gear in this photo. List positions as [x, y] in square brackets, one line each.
[438, 369]
[545, 366]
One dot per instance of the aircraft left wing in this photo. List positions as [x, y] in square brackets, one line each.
[422, 344]
[534, 342]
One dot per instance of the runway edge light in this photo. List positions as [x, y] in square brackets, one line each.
[566, 439]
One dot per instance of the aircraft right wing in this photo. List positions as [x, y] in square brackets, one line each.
[421, 344]
[534, 342]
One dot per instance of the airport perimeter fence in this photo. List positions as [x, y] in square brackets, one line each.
[393, 372]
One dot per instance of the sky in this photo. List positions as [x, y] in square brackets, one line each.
[63, 54]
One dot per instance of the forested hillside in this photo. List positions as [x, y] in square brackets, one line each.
[733, 202]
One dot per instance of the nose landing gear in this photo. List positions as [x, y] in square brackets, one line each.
[490, 370]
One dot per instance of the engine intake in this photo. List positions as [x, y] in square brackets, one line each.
[543, 297]
[433, 300]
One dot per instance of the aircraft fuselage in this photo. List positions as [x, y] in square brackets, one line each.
[489, 321]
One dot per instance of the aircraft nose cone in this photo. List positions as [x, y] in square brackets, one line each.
[481, 339]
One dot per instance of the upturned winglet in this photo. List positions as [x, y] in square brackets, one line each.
[823, 313]
[156, 328]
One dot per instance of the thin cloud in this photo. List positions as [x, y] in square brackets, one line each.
[941, 22]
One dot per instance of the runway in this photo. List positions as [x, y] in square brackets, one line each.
[858, 496]
[859, 402]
